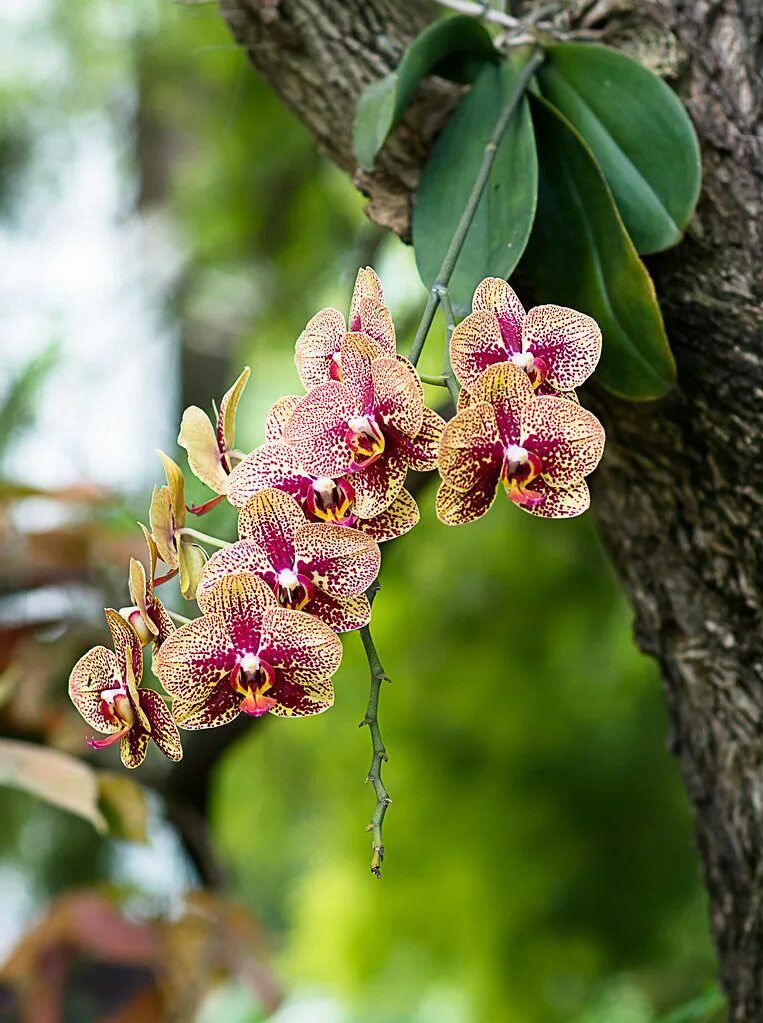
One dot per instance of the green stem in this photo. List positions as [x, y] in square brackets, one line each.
[457, 242]
[450, 325]
[438, 381]
[379, 755]
[212, 541]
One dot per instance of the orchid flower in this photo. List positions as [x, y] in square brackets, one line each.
[105, 688]
[167, 517]
[540, 447]
[315, 567]
[372, 425]
[148, 615]
[247, 654]
[210, 448]
[321, 498]
[557, 347]
[318, 348]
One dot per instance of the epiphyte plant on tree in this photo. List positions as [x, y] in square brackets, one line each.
[565, 156]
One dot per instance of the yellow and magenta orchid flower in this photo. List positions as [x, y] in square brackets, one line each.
[245, 654]
[315, 567]
[318, 350]
[105, 688]
[558, 348]
[148, 616]
[540, 447]
[371, 425]
[211, 448]
[322, 499]
[167, 517]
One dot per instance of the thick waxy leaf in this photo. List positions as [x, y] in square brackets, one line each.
[639, 132]
[504, 216]
[53, 776]
[580, 255]
[452, 48]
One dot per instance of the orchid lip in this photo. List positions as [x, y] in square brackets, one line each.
[292, 590]
[330, 500]
[365, 440]
[252, 678]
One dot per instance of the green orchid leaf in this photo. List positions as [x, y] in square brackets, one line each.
[503, 219]
[580, 255]
[639, 132]
[454, 48]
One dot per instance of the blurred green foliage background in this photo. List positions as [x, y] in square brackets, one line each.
[539, 864]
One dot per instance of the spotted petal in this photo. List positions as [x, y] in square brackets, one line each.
[133, 747]
[559, 502]
[199, 438]
[338, 559]
[357, 353]
[317, 426]
[567, 438]
[191, 662]
[508, 389]
[476, 343]
[341, 615]
[271, 519]
[294, 641]
[367, 285]
[300, 694]
[94, 672]
[471, 448]
[402, 515]
[568, 342]
[398, 394]
[420, 452]
[243, 556]
[241, 601]
[456, 507]
[163, 729]
[127, 646]
[270, 465]
[163, 526]
[278, 416]
[316, 346]
[374, 319]
[378, 485]
[497, 297]
[220, 707]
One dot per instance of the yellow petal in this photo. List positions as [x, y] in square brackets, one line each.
[162, 526]
[227, 416]
[197, 436]
[176, 487]
[191, 561]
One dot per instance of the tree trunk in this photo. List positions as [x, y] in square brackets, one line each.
[679, 496]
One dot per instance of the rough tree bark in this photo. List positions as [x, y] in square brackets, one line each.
[679, 498]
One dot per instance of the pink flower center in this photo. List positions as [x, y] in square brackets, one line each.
[253, 677]
[365, 440]
[331, 500]
[116, 709]
[519, 468]
[292, 590]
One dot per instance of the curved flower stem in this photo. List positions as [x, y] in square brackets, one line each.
[378, 675]
[212, 541]
[457, 242]
[450, 325]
